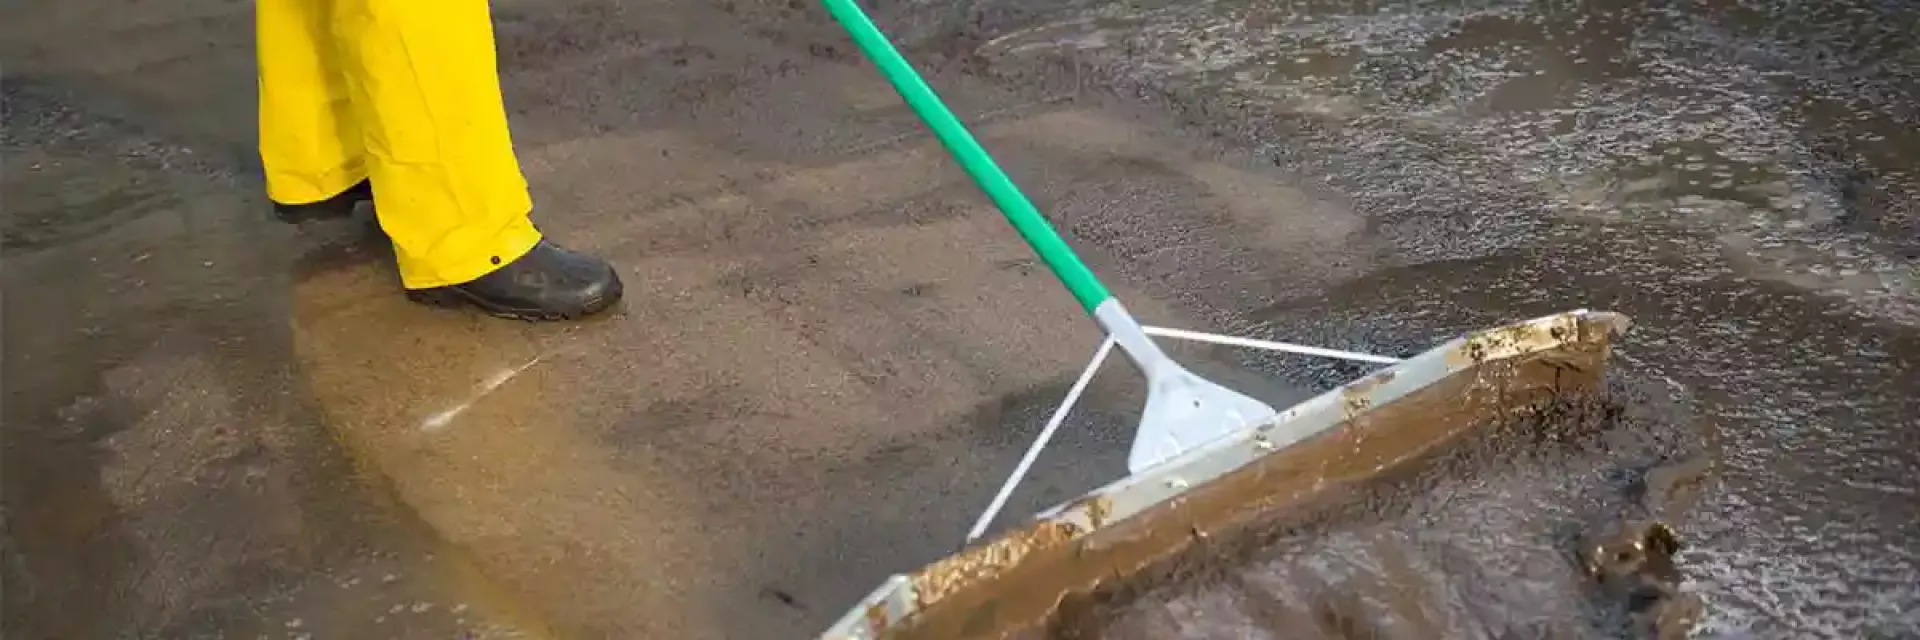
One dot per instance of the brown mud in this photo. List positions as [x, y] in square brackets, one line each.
[1557, 524]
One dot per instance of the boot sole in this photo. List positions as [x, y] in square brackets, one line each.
[455, 298]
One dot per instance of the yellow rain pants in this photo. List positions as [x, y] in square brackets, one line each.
[404, 92]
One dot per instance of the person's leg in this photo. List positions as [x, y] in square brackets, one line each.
[447, 187]
[309, 145]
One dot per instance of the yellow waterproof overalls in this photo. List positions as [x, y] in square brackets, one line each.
[404, 92]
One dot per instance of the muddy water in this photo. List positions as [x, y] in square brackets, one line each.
[1560, 524]
[1737, 176]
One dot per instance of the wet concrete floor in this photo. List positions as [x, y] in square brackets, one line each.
[833, 348]
[1737, 176]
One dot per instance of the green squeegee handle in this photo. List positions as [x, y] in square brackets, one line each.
[1014, 205]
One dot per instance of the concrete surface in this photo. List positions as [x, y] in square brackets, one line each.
[833, 349]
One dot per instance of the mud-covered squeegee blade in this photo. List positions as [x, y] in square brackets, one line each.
[1183, 410]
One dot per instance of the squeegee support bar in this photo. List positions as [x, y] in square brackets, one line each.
[1079, 387]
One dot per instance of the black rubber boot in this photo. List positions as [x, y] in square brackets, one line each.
[339, 206]
[549, 283]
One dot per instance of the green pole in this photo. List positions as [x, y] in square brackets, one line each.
[1013, 204]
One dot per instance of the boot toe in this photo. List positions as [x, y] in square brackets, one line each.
[548, 283]
[593, 294]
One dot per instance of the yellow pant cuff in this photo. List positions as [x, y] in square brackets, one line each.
[457, 262]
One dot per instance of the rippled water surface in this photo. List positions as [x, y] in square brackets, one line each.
[1739, 177]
